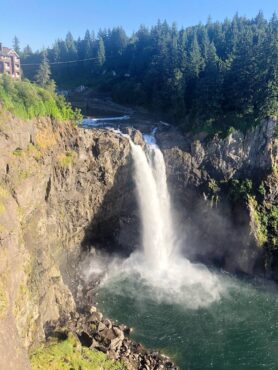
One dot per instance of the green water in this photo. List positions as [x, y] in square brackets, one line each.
[237, 332]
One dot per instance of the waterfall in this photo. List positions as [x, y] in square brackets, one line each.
[154, 203]
[159, 266]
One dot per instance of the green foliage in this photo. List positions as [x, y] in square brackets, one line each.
[230, 131]
[69, 354]
[213, 186]
[27, 100]
[273, 225]
[262, 189]
[240, 189]
[264, 218]
[276, 131]
[18, 152]
[205, 77]
[43, 74]
[259, 221]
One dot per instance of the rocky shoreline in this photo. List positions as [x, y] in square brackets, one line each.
[100, 334]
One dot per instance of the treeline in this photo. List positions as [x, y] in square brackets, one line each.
[216, 75]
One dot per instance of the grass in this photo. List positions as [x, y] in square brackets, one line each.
[69, 355]
[23, 175]
[18, 152]
[45, 139]
[67, 158]
[34, 151]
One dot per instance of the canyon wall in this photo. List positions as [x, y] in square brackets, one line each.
[224, 189]
[54, 180]
[64, 190]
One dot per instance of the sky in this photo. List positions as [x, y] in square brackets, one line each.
[40, 22]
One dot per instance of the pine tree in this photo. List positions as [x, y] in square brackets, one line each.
[209, 86]
[43, 74]
[225, 71]
[196, 62]
[100, 52]
[27, 51]
[267, 96]
[87, 45]
[16, 45]
[71, 47]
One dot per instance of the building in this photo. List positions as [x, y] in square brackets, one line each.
[9, 62]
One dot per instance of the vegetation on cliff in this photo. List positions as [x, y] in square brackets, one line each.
[69, 354]
[27, 100]
[210, 76]
[263, 214]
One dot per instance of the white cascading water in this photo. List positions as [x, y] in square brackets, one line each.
[162, 265]
[164, 272]
[154, 203]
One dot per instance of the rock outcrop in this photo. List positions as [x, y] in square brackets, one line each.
[220, 187]
[54, 180]
[97, 333]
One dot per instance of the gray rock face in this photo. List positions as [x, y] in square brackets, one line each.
[235, 156]
[214, 229]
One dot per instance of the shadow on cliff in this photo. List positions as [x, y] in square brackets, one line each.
[217, 234]
[115, 228]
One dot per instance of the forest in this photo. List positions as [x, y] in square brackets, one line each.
[215, 76]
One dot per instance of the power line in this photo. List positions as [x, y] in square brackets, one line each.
[65, 62]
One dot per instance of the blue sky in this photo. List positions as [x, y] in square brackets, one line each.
[41, 22]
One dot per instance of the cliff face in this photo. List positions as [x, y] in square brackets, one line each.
[221, 188]
[54, 180]
[64, 190]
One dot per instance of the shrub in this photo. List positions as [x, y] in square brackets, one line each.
[67, 158]
[240, 189]
[27, 100]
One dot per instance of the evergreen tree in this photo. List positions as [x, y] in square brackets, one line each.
[16, 45]
[195, 62]
[71, 47]
[267, 96]
[224, 73]
[100, 52]
[27, 51]
[87, 45]
[43, 74]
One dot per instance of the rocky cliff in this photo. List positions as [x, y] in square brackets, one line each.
[54, 180]
[64, 190]
[225, 191]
